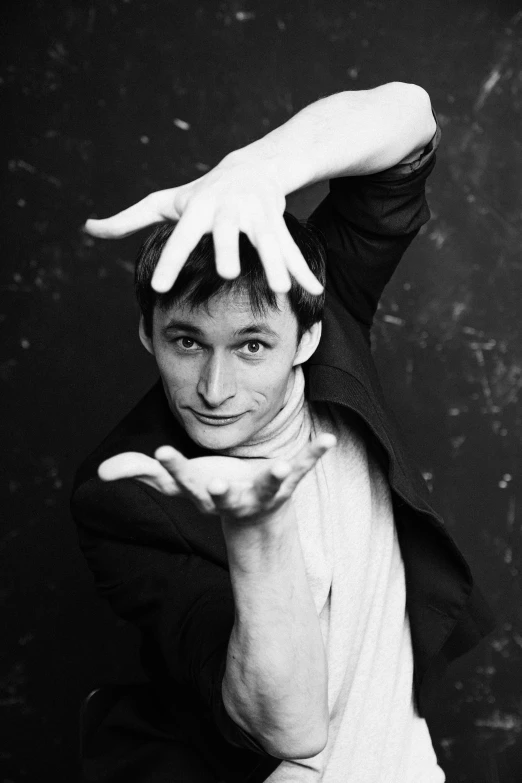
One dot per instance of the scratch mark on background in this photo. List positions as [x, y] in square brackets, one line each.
[244, 16]
[438, 236]
[30, 169]
[393, 319]
[486, 388]
[511, 513]
[502, 721]
[493, 78]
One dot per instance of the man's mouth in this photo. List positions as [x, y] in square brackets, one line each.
[214, 420]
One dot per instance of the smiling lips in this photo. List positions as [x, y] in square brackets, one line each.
[215, 421]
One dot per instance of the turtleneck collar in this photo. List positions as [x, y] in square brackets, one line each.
[286, 434]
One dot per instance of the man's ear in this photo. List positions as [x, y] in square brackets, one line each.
[308, 344]
[144, 337]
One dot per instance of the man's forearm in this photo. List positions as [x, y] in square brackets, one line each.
[276, 681]
[349, 133]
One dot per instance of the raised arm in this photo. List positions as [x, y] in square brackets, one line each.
[347, 134]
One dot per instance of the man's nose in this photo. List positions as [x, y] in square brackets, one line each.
[217, 381]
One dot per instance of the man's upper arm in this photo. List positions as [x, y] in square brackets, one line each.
[368, 222]
[182, 603]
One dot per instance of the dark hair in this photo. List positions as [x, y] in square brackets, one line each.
[198, 280]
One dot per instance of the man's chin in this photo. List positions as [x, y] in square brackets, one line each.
[216, 438]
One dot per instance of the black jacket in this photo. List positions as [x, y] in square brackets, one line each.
[163, 567]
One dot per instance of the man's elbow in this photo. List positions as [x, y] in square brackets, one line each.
[416, 124]
[299, 747]
[299, 734]
[418, 101]
[416, 94]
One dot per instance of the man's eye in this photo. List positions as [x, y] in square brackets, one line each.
[187, 343]
[253, 346]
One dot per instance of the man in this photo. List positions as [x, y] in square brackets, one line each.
[256, 515]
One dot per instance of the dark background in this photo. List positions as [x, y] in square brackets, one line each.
[94, 95]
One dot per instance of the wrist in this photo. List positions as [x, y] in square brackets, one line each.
[262, 160]
[266, 522]
[261, 545]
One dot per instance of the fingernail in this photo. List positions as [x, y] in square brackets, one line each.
[164, 452]
[281, 286]
[218, 487]
[228, 274]
[160, 286]
[280, 470]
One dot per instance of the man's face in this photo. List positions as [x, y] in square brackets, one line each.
[226, 371]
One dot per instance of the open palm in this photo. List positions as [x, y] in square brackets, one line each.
[243, 490]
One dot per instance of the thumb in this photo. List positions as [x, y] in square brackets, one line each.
[133, 464]
[155, 208]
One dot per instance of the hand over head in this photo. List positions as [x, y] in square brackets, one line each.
[233, 197]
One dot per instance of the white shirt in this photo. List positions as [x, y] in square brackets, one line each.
[356, 574]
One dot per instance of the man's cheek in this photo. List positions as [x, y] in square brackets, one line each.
[177, 380]
[181, 392]
[177, 389]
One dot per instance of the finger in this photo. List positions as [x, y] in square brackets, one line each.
[316, 448]
[188, 482]
[221, 493]
[139, 466]
[271, 481]
[308, 457]
[267, 245]
[173, 461]
[295, 262]
[225, 235]
[178, 247]
[150, 210]
[129, 464]
[229, 500]
[218, 487]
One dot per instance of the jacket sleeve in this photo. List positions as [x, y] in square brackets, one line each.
[181, 603]
[368, 222]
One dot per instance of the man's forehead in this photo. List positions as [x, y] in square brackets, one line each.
[234, 308]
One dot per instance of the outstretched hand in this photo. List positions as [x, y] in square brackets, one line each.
[240, 490]
[235, 196]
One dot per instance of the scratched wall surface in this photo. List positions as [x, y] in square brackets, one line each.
[106, 101]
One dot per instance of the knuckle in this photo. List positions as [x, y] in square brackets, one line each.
[153, 199]
[227, 212]
[252, 201]
[202, 207]
[267, 237]
[223, 231]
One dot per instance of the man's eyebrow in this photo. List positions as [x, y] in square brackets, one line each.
[260, 328]
[251, 329]
[182, 326]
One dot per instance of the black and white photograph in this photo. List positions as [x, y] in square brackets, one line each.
[262, 378]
